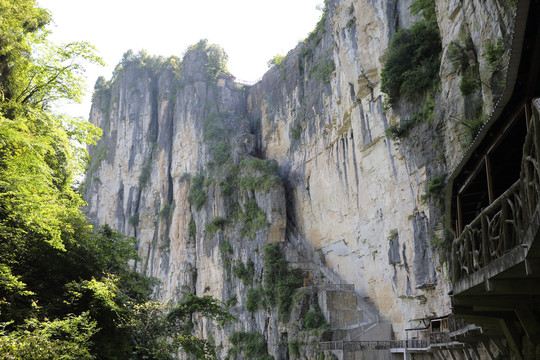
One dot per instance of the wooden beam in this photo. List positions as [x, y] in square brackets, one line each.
[486, 346]
[437, 355]
[512, 336]
[498, 344]
[528, 321]
[451, 354]
[527, 286]
[499, 302]
[475, 352]
[459, 229]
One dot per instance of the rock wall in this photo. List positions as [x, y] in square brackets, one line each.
[355, 194]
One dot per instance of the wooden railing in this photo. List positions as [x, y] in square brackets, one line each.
[502, 225]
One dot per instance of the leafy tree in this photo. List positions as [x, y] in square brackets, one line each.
[217, 57]
[159, 330]
[277, 60]
[63, 284]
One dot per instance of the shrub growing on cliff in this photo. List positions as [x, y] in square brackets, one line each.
[411, 63]
[251, 344]
[279, 282]
[244, 272]
[435, 190]
[253, 217]
[494, 53]
[197, 193]
[215, 224]
[315, 319]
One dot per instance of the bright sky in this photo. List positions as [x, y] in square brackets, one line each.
[250, 31]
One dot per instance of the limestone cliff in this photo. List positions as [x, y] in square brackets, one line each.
[204, 172]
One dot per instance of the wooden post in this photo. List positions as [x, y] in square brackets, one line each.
[536, 144]
[505, 234]
[455, 263]
[489, 179]
[486, 253]
[459, 229]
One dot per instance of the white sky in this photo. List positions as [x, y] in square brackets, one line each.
[250, 31]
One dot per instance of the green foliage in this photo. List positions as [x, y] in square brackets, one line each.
[411, 63]
[166, 213]
[323, 70]
[160, 330]
[427, 9]
[217, 57]
[259, 174]
[145, 173]
[279, 282]
[68, 338]
[277, 60]
[252, 345]
[473, 126]
[435, 189]
[192, 231]
[197, 193]
[33, 71]
[227, 188]
[296, 130]
[185, 177]
[222, 153]
[255, 299]
[294, 347]
[213, 127]
[244, 272]
[393, 234]
[215, 224]
[253, 217]
[470, 82]
[98, 156]
[462, 58]
[134, 219]
[233, 300]
[64, 285]
[400, 130]
[225, 248]
[494, 53]
[315, 319]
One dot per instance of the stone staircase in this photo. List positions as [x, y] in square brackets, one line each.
[351, 318]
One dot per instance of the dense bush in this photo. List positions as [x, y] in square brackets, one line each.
[215, 224]
[411, 63]
[279, 282]
[197, 193]
[315, 319]
[251, 344]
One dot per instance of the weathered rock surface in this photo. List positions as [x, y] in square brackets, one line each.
[352, 192]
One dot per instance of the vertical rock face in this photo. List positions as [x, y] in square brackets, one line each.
[357, 196]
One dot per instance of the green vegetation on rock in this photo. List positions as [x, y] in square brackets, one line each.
[412, 61]
[197, 193]
[279, 281]
[252, 345]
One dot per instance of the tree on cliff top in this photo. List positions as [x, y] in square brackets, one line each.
[217, 57]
